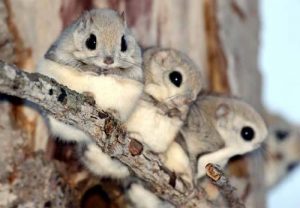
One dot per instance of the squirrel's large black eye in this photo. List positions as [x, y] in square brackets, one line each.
[91, 42]
[176, 78]
[281, 135]
[292, 166]
[247, 133]
[123, 44]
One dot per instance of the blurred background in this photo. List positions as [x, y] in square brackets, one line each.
[280, 65]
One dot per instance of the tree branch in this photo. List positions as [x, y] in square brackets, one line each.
[79, 110]
[221, 181]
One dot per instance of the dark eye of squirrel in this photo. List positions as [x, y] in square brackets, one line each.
[292, 166]
[281, 135]
[176, 78]
[91, 42]
[123, 44]
[247, 133]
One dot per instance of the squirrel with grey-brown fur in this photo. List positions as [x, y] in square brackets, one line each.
[172, 83]
[97, 55]
[281, 149]
[218, 128]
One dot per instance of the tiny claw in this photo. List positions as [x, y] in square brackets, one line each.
[174, 112]
[89, 97]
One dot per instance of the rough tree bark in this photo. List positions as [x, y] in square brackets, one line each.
[220, 36]
[80, 111]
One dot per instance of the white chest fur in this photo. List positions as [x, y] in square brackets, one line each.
[177, 160]
[110, 92]
[149, 126]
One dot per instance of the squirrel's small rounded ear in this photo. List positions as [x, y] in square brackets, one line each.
[148, 53]
[81, 26]
[161, 55]
[84, 21]
[222, 111]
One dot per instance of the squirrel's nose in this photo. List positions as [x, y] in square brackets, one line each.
[108, 60]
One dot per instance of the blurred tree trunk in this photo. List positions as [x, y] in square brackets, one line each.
[220, 36]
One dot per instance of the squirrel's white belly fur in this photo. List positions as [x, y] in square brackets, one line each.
[110, 93]
[151, 127]
[116, 93]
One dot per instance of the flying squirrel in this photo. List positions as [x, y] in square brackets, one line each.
[281, 149]
[217, 128]
[96, 55]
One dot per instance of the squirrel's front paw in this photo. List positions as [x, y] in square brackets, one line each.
[90, 98]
